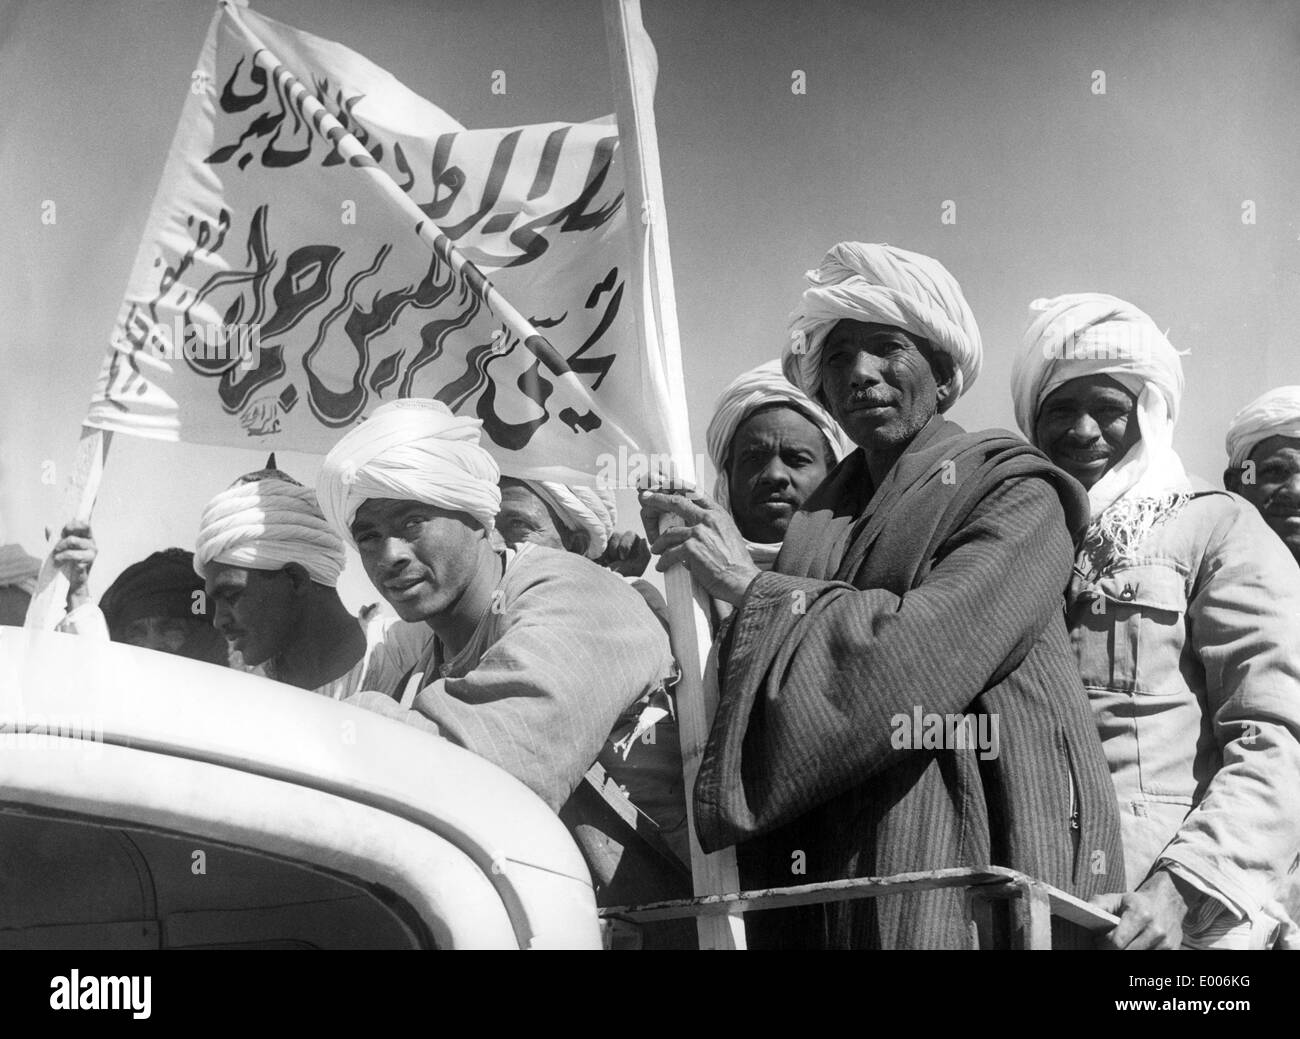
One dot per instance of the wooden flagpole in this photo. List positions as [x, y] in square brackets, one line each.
[635, 70]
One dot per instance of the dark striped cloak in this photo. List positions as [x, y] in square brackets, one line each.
[941, 590]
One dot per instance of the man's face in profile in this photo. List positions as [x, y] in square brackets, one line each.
[256, 611]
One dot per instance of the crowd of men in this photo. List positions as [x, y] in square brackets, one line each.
[1127, 632]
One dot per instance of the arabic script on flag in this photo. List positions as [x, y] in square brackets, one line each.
[325, 240]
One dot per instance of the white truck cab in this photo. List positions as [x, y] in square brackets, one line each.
[149, 801]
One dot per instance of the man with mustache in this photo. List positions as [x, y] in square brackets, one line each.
[925, 576]
[533, 656]
[271, 565]
[1263, 445]
[770, 446]
[1182, 616]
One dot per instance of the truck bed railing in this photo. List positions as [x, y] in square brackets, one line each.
[1005, 908]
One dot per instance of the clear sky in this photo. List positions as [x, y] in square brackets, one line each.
[908, 105]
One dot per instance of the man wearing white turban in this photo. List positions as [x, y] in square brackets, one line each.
[576, 519]
[534, 656]
[890, 601]
[271, 565]
[582, 520]
[1182, 617]
[770, 445]
[883, 285]
[1263, 444]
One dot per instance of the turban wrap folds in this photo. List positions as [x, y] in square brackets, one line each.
[1272, 414]
[587, 509]
[413, 449]
[162, 585]
[18, 569]
[858, 281]
[1090, 333]
[749, 391]
[265, 521]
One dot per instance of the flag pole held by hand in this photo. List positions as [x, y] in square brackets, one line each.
[635, 69]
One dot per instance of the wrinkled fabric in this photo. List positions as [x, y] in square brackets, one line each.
[938, 591]
[556, 677]
[1272, 414]
[749, 391]
[1188, 653]
[859, 281]
[266, 524]
[413, 449]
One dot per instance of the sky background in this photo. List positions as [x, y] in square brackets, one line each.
[1138, 191]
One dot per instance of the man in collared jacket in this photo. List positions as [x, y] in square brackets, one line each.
[1182, 614]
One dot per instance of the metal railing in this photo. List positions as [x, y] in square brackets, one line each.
[1005, 908]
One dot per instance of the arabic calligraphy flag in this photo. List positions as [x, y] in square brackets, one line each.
[324, 240]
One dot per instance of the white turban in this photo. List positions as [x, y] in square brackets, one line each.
[745, 394]
[412, 449]
[589, 510]
[265, 523]
[879, 283]
[18, 569]
[1272, 414]
[1090, 333]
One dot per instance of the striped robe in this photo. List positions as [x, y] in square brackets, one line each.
[566, 652]
[556, 674]
[940, 590]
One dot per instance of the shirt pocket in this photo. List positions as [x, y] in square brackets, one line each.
[1128, 627]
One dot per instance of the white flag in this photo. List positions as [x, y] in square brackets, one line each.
[324, 240]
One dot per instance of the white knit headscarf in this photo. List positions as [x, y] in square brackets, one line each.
[859, 281]
[1272, 414]
[589, 510]
[749, 391]
[413, 449]
[265, 523]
